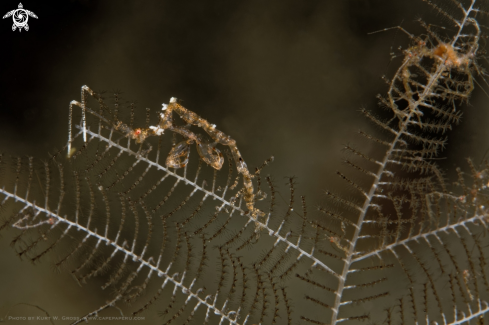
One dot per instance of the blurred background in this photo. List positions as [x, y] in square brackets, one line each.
[282, 77]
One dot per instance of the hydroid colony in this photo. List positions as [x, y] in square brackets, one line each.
[152, 209]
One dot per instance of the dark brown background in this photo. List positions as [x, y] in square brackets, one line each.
[282, 77]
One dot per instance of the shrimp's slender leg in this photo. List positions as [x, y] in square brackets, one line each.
[84, 91]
